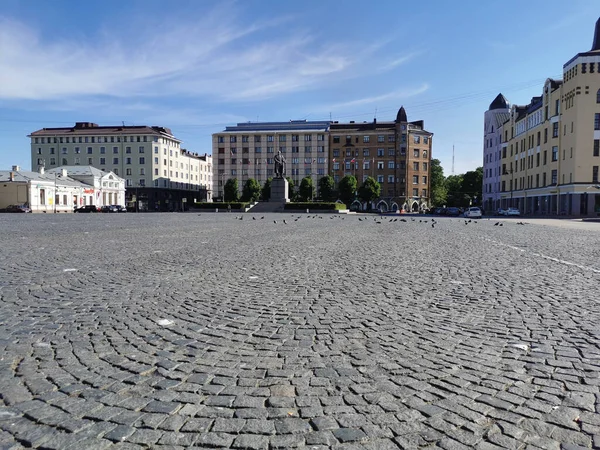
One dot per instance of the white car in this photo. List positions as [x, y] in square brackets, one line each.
[473, 213]
[512, 212]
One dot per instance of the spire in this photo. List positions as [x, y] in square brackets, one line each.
[401, 117]
[596, 45]
[499, 102]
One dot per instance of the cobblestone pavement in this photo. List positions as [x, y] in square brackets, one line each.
[202, 330]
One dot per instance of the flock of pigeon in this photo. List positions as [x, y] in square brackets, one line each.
[377, 219]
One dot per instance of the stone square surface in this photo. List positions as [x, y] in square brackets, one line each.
[201, 329]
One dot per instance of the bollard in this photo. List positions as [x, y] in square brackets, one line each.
[216, 209]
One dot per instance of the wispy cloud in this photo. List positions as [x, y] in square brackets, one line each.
[212, 59]
[383, 98]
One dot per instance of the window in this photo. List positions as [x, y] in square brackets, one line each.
[380, 138]
[127, 171]
[555, 153]
[594, 174]
[415, 166]
[336, 139]
[379, 165]
[102, 150]
[366, 139]
[127, 160]
[390, 178]
[425, 154]
[596, 147]
[424, 192]
[555, 129]
[142, 181]
[307, 137]
[425, 141]
[142, 171]
[220, 139]
[90, 161]
[115, 160]
[597, 121]
[156, 150]
[141, 149]
[424, 179]
[424, 166]
[102, 161]
[380, 152]
[380, 178]
[417, 139]
[282, 138]
[415, 192]
[416, 153]
[598, 96]
[142, 160]
[415, 179]
[554, 177]
[390, 164]
[115, 150]
[391, 152]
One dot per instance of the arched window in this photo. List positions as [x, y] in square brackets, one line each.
[598, 96]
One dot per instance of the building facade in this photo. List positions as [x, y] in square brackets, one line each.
[496, 115]
[246, 151]
[59, 190]
[551, 147]
[159, 174]
[397, 154]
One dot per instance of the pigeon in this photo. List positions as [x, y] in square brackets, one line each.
[391, 220]
[262, 217]
[469, 220]
[420, 221]
[396, 219]
[274, 221]
[402, 220]
[253, 218]
[432, 225]
[496, 224]
[359, 219]
[284, 221]
[501, 224]
[412, 220]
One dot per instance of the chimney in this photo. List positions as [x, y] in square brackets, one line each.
[41, 169]
[63, 172]
[375, 120]
[16, 168]
[11, 176]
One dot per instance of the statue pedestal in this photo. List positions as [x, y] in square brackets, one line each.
[279, 190]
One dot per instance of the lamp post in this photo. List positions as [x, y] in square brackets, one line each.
[506, 172]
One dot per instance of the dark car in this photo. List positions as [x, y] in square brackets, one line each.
[453, 212]
[109, 209]
[88, 209]
[22, 208]
[119, 208]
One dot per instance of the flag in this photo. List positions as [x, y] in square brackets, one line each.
[353, 160]
[333, 160]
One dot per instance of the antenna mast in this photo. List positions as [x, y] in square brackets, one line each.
[452, 159]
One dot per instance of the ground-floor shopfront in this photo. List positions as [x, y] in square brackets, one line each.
[144, 199]
[572, 200]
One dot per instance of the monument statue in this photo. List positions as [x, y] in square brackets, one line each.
[279, 161]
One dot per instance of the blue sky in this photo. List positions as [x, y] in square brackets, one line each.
[197, 66]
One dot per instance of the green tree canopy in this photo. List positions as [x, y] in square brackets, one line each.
[369, 190]
[292, 194]
[472, 184]
[327, 188]
[251, 190]
[266, 190]
[439, 192]
[347, 189]
[306, 190]
[231, 189]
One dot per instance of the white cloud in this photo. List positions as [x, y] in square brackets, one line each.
[206, 58]
[383, 98]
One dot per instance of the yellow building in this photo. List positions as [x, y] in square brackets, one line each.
[551, 147]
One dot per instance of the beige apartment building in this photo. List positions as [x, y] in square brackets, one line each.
[246, 151]
[397, 154]
[159, 174]
[551, 147]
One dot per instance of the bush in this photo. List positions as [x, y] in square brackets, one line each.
[221, 205]
[320, 206]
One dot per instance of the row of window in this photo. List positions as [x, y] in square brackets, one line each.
[92, 139]
[528, 182]
[366, 165]
[282, 149]
[270, 138]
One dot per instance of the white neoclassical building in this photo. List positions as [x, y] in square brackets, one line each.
[59, 190]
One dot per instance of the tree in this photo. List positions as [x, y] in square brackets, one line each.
[231, 190]
[472, 184]
[439, 192]
[369, 190]
[455, 195]
[266, 190]
[251, 190]
[306, 190]
[327, 188]
[347, 189]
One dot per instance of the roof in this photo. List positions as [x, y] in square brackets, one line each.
[79, 170]
[401, 116]
[501, 118]
[535, 104]
[363, 126]
[292, 125]
[499, 102]
[23, 176]
[596, 43]
[88, 128]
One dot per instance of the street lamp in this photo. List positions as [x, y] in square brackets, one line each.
[506, 172]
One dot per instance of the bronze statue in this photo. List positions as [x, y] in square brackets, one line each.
[279, 161]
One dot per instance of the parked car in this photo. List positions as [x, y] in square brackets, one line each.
[473, 213]
[500, 211]
[21, 208]
[512, 212]
[119, 208]
[109, 209]
[453, 211]
[87, 209]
